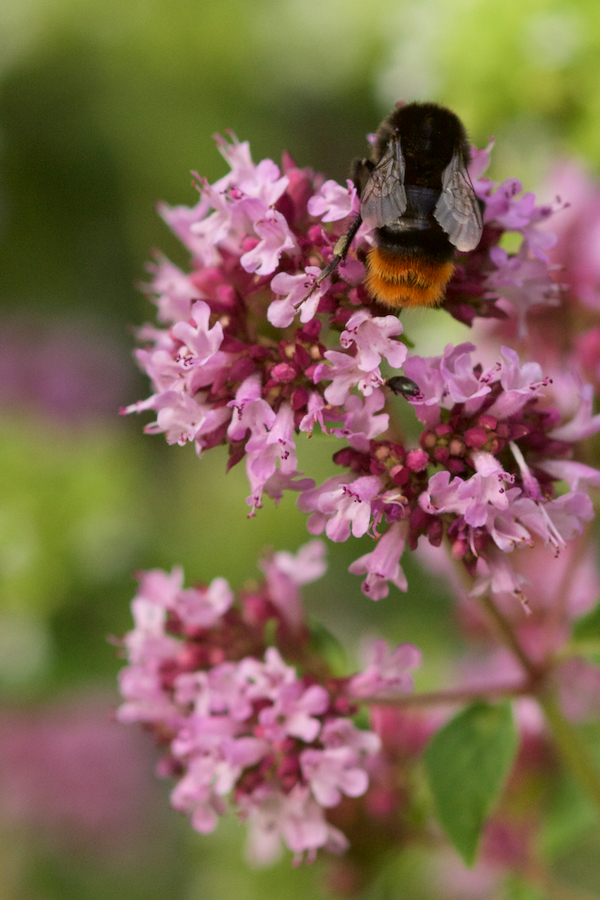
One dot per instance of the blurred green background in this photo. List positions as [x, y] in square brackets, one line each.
[105, 107]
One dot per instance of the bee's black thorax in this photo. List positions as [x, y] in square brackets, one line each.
[429, 136]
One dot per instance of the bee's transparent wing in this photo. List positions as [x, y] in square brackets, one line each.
[458, 210]
[383, 199]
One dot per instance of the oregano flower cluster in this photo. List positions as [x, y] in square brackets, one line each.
[239, 721]
[250, 351]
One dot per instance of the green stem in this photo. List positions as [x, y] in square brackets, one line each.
[508, 637]
[571, 746]
[452, 696]
[552, 888]
[568, 740]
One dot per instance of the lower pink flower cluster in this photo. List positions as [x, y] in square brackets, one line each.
[239, 722]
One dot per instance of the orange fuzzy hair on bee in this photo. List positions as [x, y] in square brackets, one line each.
[396, 280]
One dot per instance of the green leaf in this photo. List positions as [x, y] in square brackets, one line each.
[467, 763]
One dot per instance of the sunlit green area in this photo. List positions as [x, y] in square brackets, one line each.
[105, 109]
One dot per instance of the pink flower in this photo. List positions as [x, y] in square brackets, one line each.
[293, 713]
[583, 424]
[281, 312]
[578, 228]
[182, 221]
[201, 340]
[485, 488]
[491, 415]
[382, 565]
[175, 290]
[523, 281]
[333, 202]
[461, 382]
[193, 795]
[345, 373]
[519, 383]
[251, 412]
[241, 724]
[333, 772]
[341, 507]
[271, 451]
[362, 423]
[306, 566]
[203, 607]
[275, 238]
[284, 574]
[495, 574]
[386, 674]
[426, 373]
[373, 340]
[295, 819]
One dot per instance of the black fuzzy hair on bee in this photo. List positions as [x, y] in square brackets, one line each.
[416, 194]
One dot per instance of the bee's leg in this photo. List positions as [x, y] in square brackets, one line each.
[361, 169]
[340, 251]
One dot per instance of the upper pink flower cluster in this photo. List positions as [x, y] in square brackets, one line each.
[245, 349]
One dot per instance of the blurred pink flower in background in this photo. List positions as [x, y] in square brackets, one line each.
[69, 369]
[72, 777]
[577, 249]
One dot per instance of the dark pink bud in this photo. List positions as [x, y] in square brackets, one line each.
[226, 295]
[475, 437]
[417, 460]
[435, 532]
[310, 331]
[301, 357]
[455, 466]
[241, 369]
[299, 398]
[400, 474]
[284, 373]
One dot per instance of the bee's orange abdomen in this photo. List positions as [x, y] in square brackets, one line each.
[396, 280]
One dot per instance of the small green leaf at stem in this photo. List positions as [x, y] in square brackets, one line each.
[467, 763]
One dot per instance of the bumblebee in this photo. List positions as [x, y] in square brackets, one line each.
[416, 193]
